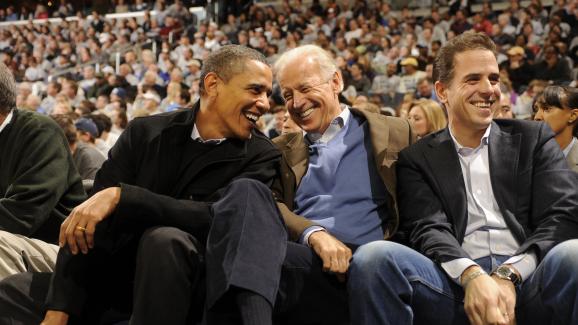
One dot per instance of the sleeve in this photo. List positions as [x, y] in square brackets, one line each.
[144, 207]
[554, 198]
[423, 220]
[39, 181]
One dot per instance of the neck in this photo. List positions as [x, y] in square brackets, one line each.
[466, 136]
[208, 123]
[564, 138]
[3, 118]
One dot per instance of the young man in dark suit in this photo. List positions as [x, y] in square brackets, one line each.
[489, 207]
[179, 213]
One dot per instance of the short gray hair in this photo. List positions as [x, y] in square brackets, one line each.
[325, 61]
[228, 62]
[7, 90]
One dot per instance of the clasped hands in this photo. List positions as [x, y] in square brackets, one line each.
[77, 231]
[489, 300]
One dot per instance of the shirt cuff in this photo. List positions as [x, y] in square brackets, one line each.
[525, 264]
[456, 267]
[304, 239]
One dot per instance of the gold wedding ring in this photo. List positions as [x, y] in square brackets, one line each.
[80, 228]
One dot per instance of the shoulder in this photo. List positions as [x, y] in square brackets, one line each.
[31, 121]
[261, 141]
[148, 127]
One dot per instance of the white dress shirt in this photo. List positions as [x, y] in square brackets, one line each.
[487, 232]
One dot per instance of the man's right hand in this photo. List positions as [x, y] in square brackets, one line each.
[334, 254]
[484, 302]
[54, 317]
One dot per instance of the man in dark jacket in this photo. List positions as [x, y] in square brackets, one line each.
[39, 185]
[489, 208]
[180, 193]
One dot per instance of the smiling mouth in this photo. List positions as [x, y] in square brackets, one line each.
[252, 117]
[483, 104]
[306, 113]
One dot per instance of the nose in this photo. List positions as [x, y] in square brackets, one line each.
[539, 116]
[486, 86]
[298, 99]
[263, 103]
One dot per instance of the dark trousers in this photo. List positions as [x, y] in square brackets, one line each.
[158, 276]
[161, 278]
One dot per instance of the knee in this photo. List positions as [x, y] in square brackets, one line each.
[249, 186]
[375, 257]
[563, 258]
[157, 241]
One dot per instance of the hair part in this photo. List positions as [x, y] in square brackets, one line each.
[228, 62]
[7, 90]
[562, 97]
[444, 63]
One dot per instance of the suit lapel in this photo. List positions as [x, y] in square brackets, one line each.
[503, 153]
[442, 157]
[297, 156]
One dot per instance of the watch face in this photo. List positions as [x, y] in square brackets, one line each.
[506, 273]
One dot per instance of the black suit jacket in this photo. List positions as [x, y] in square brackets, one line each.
[160, 186]
[536, 192]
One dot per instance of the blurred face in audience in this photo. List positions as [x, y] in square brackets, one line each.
[556, 117]
[505, 109]
[310, 95]
[418, 121]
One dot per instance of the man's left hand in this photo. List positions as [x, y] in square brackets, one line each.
[77, 231]
[508, 294]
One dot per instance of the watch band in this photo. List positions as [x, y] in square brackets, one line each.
[506, 273]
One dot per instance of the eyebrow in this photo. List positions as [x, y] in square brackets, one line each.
[479, 75]
[260, 87]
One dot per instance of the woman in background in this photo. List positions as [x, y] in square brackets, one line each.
[558, 107]
[426, 116]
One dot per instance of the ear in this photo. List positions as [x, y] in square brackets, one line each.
[441, 92]
[210, 83]
[573, 116]
[337, 82]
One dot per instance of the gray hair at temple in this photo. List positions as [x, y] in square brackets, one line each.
[7, 90]
[228, 62]
[323, 58]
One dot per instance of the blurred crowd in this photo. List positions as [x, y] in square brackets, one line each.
[130, 67]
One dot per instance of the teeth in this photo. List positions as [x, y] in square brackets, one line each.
[306, 113]
[252, 117]
[483, 104]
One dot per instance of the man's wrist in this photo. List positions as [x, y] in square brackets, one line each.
[470, 274]
[509, 273]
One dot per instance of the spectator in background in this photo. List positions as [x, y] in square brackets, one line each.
[558, 107]
[426, 116]
[52, 89]
[553, 67]
[411, 75]
[279, 113]
[520, 72]
[504, 110]
[87, 158]
[523, 106]
[39, 185]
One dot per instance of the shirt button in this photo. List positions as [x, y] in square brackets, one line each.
[478, 191]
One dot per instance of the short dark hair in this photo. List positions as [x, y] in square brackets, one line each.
[7, 90]
[229, 61]
[444, 64]
[562, 97]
